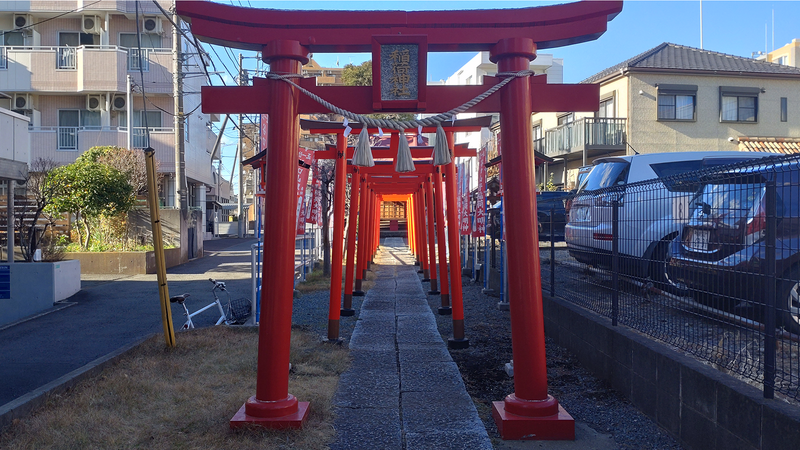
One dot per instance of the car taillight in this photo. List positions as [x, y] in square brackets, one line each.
[603, 237]
[756, 225]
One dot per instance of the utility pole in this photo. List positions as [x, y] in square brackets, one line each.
[240, 158]
[177, 97]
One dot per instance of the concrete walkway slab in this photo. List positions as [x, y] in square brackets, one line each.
[396, 340]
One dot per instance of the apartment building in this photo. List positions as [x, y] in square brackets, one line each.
[675, 98]
[66, 65]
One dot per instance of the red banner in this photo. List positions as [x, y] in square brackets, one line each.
[306, 156]
[480, 210]
[314, 215]
[465, 220]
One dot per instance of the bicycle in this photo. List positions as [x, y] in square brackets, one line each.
[234, 312]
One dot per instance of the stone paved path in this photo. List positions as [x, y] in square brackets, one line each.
[403, 391]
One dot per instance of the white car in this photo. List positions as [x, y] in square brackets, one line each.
[650, 213]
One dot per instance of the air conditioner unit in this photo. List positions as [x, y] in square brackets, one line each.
[23, 101]
[95, 102]
[120, 103]
[22, 21]
[151, 25]
[91, 24]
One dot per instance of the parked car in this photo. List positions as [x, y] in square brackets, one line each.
[720, 251]
[650, 214]
[547, 201]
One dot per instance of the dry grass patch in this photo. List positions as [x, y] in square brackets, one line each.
[178, 398]
[316, 281]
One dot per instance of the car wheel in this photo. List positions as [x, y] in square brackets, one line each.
[789, 301]
[658, 270]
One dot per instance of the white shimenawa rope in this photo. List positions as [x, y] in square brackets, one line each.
[398, 124]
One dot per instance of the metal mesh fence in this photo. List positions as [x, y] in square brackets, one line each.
[707, 261]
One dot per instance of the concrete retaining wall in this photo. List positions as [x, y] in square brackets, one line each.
[128, 263]
[700, 406]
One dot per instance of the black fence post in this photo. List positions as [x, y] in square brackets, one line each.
[614, 261]
[771, 297]
[552, 254]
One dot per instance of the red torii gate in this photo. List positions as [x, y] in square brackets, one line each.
[410, 182]
[285, 39]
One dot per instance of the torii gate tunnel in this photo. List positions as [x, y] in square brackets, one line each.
[513, 36]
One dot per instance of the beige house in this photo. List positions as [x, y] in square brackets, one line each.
[66, 67]
[674, 98]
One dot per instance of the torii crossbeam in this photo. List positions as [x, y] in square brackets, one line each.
[286, 38]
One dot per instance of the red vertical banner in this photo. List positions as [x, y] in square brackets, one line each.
[465, 223]
[480, 210]
[315, 207]
[262, 139]
[306, 156]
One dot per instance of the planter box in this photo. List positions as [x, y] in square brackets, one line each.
[125, 263]
[35, 287]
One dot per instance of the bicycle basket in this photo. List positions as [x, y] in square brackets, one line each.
[239, 311]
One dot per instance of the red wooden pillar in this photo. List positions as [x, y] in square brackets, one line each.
[458, 340]
[529, 411]
[347, 307]
[431, 237]
[361, 251]
[409, 227]
[445, 309]
[338, 237]
[376, 236]
[370, 233]
[273, 406]
[423, 238]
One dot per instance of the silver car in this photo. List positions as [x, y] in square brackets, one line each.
[650, 213]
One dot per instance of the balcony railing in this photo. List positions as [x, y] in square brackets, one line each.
[67, 58]
[67, 138]
[139, 59]
[586, 132]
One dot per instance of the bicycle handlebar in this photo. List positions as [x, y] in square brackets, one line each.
[217, 284]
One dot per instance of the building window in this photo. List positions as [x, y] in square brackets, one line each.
[784, 109]
[783, 60]
[139, 138]
[738, 104]
[538, 142]
[677, 101]
[566, 118]
[606, 108]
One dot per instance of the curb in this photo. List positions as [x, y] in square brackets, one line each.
[23, 406]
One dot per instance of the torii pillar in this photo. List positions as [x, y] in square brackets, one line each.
[530, 410]
[273, 406]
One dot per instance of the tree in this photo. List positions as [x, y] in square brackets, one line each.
[130, 162]
[92, 189]
[41, 188]
[326, 171]
[360, 75]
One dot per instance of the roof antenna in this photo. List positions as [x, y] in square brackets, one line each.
[629, 145]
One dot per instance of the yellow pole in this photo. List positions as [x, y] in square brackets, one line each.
[158, 246]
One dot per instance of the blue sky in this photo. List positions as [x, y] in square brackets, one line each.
[733, 27]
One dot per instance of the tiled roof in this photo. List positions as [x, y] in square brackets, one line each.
[769, 144]
[679, 57]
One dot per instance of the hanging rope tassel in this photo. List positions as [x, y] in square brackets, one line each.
[441, 153]
[363, 154]
[404, 162]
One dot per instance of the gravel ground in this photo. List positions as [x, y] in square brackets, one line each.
[586, 398]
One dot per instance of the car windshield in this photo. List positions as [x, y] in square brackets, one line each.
[727, 204]
[605, 174]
